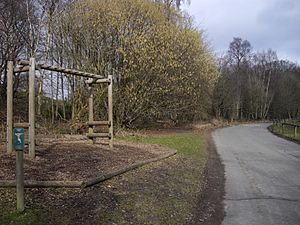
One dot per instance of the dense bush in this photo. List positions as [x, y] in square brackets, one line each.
[162, 67]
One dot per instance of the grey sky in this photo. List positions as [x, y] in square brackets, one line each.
[265, 24]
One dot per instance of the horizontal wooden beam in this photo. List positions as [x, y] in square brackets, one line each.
[21, 125]
[98, 123]
[125, 169]
[23, 62]
[98, 81]
[99, 135]
[21, 69]
[62, 70]
[291, 124]
[106, 80]
[42, 184]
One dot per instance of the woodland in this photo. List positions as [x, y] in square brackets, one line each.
[164, 71]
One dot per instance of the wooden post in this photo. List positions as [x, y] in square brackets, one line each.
[295, 131]
[110, 110]
[20, 180]
[32, 108]
[9, 130]
[91, 111]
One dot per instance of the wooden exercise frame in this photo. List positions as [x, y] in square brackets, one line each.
[30, 66]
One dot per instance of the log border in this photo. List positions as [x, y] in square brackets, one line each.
[88, 182]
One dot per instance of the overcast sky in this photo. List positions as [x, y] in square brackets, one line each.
[265, 24]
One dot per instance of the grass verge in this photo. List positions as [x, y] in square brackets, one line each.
[166, 191]
[287, 132]
[189, 144]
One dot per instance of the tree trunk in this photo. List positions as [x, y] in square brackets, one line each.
[63, 96]
[56, 96]
[52, 97]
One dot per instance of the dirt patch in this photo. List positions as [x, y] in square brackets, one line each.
[76, 161]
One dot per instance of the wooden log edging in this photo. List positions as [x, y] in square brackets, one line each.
[42, 184]
[83, 184]
[114, 173]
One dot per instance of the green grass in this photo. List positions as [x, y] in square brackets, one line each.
[287, 131]
[29, 216]
[165, 199]
[187, 144]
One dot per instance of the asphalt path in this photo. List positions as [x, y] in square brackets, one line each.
[262, 174]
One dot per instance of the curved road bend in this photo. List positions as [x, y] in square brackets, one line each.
[262, 176]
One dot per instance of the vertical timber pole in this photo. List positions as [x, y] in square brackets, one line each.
[19, 148]
[91, 111]
[20, 180]
[32, 108]
[9, 130]
[110, 111]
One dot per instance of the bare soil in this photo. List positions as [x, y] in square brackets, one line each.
[69, 161]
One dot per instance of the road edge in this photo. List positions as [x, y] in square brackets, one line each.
[210, 210]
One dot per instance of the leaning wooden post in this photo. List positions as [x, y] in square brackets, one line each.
[295, 131]
[91, 111]
[9, 130]
[110, 111]
[32, 108]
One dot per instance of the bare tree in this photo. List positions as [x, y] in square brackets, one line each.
[13, 29]
[256, 86]
[239, 54]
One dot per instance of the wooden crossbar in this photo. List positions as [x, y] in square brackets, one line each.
[21, 69]
[100, 135]
[98, 123]
[291, 124]
[21, 125]
[98, 81]
[62, 70]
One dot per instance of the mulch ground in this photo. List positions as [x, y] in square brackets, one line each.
[76, 161]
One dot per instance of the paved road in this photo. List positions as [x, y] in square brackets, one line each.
[262, 176]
